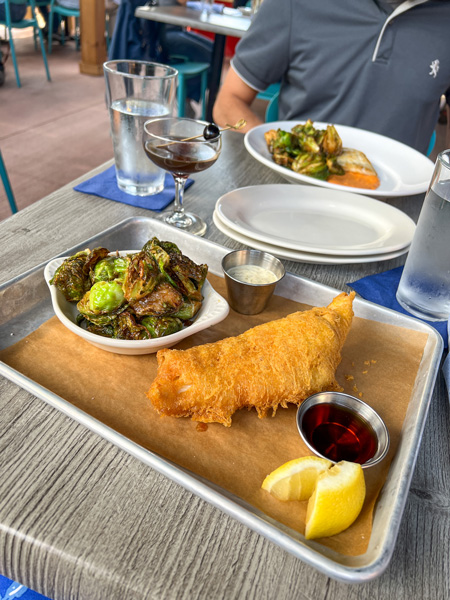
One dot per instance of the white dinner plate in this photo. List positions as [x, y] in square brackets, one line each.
[402, 170]
[310, 219]
[305, 257]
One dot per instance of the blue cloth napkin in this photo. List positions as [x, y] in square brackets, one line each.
[105, 185]
[217, 8]
[381, 289]
[446, 371]
[10, 590]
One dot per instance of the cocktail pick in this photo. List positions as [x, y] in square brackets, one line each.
[241, 123]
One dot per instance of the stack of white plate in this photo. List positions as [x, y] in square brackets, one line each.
[314, 225]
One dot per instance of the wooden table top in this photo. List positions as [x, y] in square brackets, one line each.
[63, 528]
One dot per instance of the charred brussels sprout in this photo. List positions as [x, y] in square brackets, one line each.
[127, 328]
[72, 277]
[188, 310]
[112, 267]
[161, 326]
[313, 165]
[332, 143]
[105, 296]
[141, 277]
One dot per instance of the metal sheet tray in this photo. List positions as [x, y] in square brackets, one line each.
[18, 319]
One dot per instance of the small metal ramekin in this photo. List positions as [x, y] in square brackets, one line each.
[354, 406]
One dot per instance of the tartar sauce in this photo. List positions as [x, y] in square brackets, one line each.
[252, 274]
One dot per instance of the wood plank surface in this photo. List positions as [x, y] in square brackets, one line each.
[82, 519]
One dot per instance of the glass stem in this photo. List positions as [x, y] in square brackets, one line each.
[180, 182]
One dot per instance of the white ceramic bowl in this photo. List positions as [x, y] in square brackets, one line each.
[214, 309]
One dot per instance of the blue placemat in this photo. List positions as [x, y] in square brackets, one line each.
[9, 590]
[381, 289]
[104, 185]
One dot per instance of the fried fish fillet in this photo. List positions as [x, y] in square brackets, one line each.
[270, 365]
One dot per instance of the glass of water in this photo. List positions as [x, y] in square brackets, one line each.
[135, 92]
[424, 288]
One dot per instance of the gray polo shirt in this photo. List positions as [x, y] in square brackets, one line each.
[360, 63]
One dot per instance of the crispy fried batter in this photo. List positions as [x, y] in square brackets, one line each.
[273, 364]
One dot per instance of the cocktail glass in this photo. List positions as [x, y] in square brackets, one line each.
[179, 146]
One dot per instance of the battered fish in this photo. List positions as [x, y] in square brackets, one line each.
[271, 365]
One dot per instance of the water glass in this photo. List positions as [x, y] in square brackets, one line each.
[424, 288]
[135, 92]
[207, 7]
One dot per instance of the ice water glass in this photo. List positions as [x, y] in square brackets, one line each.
[135, 92]
[424, 288]
[207, 7]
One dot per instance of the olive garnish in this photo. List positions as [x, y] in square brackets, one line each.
[211, 131]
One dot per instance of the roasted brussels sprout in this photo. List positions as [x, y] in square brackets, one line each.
[163, 300]
[188, 310]
[332, 143]
[105, 296]
[141, 277]
[161, 326]
[152, 293]
[313, 165]
[112, 267]
[72, 277]
[127, 328]
[99, 317]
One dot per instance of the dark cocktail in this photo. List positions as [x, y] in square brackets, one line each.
[180, 147]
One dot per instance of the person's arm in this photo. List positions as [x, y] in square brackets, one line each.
[233, 103]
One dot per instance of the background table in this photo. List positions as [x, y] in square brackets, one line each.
[81, 519]
[220, 24]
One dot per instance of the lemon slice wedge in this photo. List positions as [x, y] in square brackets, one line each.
[336, 501]
[295, 480]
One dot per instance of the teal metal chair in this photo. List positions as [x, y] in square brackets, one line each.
[186, 70]
[270, 92]
[272, 108]
[7, 185]
[23, 24]
[61, 12]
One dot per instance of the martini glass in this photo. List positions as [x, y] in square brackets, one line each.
[179, 146]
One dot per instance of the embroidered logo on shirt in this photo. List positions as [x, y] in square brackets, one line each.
[434, 68]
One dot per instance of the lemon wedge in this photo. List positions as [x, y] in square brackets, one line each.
[295, 480]
[336, 501]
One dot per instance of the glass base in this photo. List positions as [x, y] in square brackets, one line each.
[140, 190]
[419, 312]
[185, 221]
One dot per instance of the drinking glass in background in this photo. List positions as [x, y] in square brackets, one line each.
[135, 92]
[207, 6]
[424, 288]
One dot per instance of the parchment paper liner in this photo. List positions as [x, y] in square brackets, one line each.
[379, 364]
